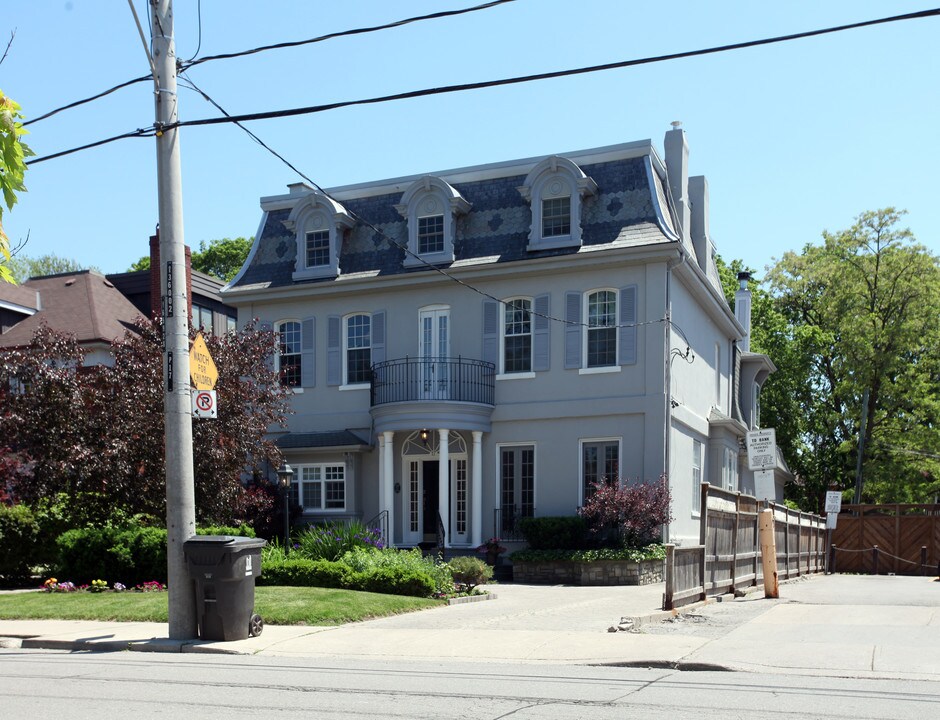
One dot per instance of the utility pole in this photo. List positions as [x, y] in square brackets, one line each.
[859, 481]
[177, 405]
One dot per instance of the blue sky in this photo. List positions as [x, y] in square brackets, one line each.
[794, 138]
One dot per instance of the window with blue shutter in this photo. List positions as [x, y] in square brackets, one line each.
[308, 367]
[628, 332]
[572, 330]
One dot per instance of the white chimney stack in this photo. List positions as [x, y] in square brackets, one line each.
[742, 309]
[677, 170]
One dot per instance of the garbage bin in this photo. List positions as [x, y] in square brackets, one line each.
[224, 569]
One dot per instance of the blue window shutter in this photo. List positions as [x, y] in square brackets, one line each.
[334, 364]
[378, 337]
[572, 330]
[491, 332]
[628, 325]
[308, 365]
[541, 351]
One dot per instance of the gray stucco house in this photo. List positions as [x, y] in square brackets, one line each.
[472, 346]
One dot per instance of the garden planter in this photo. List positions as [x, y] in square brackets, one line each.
[597, 572]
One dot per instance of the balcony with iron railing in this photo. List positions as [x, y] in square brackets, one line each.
[440, 392]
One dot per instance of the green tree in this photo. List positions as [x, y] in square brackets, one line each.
[23, 267]
[222, 258]
[867, 301]
[13, 154]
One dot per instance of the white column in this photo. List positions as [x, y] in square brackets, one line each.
[476, 490]
[443, 493]
[388, 473]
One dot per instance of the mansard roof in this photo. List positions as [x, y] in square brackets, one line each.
[629, 208]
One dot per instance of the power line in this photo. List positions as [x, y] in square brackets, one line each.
[394, 242]
[139, 132]
[347, 33]
[508, 81]
[551, 75]
[343, 33]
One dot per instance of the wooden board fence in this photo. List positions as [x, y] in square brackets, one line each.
[907, 538]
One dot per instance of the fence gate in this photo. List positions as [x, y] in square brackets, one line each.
[902, 539]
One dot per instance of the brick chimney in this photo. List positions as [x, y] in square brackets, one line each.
[155, 290]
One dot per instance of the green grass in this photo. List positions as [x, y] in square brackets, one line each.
[277, 605]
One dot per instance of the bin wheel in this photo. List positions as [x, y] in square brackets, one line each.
[255, 625]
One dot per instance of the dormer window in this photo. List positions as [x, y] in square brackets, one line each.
[555, 188]
[431, 206]
[319, 223]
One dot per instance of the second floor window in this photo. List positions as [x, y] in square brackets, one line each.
[318, 248]
[602, 329]
[288, 336]
[517, 336]
[431, 234]
[556, 217]
[358, 350]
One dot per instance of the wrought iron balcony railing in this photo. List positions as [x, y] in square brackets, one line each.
[442, 379]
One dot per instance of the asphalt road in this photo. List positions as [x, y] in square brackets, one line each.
[81, 686]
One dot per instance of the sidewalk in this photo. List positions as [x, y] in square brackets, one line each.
[842, 625]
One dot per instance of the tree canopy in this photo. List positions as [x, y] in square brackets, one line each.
[222, 258]
[861, 310]
[24, 267]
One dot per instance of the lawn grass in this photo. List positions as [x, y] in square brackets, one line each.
[277, 605]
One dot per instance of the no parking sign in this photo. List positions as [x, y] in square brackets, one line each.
[204, 405]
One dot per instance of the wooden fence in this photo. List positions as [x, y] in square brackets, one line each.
[728, 556]
[882, 539]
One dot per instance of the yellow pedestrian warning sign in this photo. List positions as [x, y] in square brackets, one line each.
[202, 369]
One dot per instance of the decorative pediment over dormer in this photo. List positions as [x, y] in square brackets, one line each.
[318, 222]
[431, 206]
[555, 189]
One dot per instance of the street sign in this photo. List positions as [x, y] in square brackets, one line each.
[202, 369]
[834, 501]
[831, 519]
[204, 404]
[764, 486]
[761, 449]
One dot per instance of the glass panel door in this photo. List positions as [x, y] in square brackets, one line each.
[434, 346]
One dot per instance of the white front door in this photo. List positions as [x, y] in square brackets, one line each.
[434, 348]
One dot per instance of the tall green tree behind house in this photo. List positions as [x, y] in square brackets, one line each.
[24, 267]
[13, 154]
[867, 301]
[222, 258]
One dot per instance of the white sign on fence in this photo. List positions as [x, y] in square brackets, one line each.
[831, 519]
[764, 486]
[761, 449]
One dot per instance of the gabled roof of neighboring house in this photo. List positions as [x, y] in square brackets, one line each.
[84, 304]
[629, 209]
[18, 298]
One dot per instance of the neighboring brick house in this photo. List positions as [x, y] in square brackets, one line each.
[480, 344]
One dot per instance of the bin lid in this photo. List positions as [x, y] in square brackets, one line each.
[228, 540]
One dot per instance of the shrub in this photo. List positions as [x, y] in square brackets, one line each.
[546, 533]
[650, 552]
[331, 540]
[631, 515]
[470, 571]
[19, 534]
[403, 562]
[242, 530]
[133, 555]
[395, 581]
[303, 572]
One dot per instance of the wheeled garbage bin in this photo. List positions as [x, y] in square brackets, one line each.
[224, 569]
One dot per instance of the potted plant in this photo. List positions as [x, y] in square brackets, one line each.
[492, 549]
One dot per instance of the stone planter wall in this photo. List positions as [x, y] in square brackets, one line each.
[599, 572]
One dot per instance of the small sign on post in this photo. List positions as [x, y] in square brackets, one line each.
[834, 501]
[204, 404]
[761, 449]
[202, 369]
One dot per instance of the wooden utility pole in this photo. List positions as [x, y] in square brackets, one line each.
[177, 406]
[768, 553]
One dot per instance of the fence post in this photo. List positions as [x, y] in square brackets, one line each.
[874, 558]
[703, 535]
[734, 542]
[832, 559]
[923, 560]
[670, 576]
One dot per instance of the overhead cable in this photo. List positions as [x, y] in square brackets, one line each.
[343, 33]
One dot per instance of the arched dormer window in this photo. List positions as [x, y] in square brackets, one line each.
[431, 206]
[555, 189]
[318, 222]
